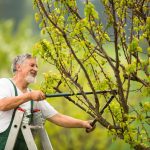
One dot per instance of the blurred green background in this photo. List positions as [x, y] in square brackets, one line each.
[18, 33]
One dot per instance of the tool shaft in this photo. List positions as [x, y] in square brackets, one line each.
[72, 94]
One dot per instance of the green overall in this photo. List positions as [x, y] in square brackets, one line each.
[20, 142]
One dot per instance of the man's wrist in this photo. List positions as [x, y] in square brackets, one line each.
[27, 96]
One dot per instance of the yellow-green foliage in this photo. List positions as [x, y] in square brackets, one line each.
[91, 54]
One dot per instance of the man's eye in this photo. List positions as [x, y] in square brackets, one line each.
[34, 66]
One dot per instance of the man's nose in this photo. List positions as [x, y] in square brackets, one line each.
[36, 68]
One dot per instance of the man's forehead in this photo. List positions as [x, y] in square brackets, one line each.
[31, 60]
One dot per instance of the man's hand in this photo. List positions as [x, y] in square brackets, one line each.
[36, 95]
[90, 126]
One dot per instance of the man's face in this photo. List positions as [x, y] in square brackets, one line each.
[28, 69]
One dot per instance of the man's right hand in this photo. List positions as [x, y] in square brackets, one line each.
[36, 95]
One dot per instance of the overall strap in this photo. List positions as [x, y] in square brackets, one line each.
[31, 110]
[31, 103]
[16, 94]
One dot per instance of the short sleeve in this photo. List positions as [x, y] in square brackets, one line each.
[5, 88]
[46, 109]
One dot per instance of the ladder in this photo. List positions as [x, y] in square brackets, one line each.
[21, 121]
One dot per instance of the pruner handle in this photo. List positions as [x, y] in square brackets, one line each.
[93, 124]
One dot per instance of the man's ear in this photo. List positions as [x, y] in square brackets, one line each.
[18, 67]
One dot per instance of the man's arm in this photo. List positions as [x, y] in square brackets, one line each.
[69, 122]
[13, 102]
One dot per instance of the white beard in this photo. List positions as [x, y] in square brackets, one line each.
[30, 79]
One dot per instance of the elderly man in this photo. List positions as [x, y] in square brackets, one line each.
[15, 93]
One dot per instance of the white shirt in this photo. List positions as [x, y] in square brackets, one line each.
[7, 90]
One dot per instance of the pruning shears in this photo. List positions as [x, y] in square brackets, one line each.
[93, 123]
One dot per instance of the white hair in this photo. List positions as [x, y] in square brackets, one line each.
[19, 60]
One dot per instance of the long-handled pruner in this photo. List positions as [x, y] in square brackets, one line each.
[72, 94]
[93, 123]
[97, 92]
